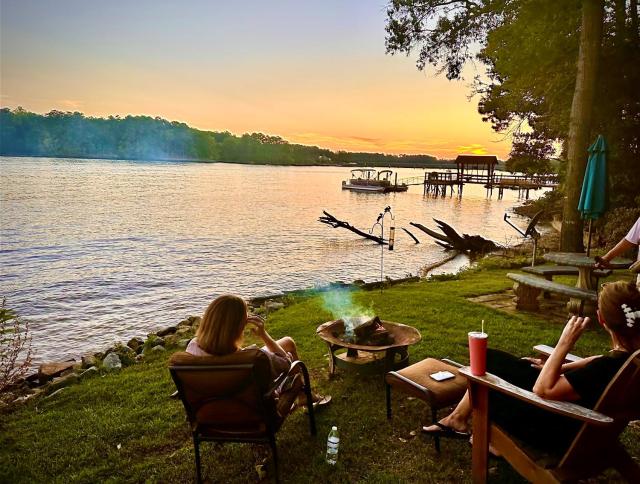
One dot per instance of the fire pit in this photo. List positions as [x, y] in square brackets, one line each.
[372, 345]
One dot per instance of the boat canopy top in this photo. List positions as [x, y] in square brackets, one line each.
[384, 174]
[363, 173]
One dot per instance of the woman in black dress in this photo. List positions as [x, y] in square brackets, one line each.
[581, 382]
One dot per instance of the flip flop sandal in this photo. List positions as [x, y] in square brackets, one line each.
[318, 404]
[323, 402]
[446, 431]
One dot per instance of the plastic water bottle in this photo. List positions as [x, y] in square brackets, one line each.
[333, 441]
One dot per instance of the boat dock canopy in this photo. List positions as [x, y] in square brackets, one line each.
[476, 168]
[475, 160]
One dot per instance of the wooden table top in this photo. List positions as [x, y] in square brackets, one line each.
[580, 259]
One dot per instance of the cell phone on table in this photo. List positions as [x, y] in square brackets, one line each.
[442, 375]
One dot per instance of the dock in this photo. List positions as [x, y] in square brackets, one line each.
[479, 170]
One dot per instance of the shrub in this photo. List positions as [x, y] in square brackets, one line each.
[615, 224]
[15, 348]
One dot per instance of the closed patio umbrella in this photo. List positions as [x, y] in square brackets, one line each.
[594, 195]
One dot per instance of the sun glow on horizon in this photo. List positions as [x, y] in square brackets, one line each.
[314, 75]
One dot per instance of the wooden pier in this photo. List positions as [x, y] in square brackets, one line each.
[479, 170]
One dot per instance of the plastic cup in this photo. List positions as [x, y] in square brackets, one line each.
[478, 352]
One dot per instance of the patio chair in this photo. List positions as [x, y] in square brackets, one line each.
[230, 398]
[594, 449]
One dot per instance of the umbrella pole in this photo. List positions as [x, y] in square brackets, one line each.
[589, 241]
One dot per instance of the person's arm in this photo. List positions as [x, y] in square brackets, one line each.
[269, 342]
[620, 248]
[573, 365]
[551, 383]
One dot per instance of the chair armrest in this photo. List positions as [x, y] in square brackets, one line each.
[452, 363]
[295, 365]
[546, 350]
[407, 381]
[567, 409]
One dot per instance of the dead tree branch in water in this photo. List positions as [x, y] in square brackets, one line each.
[415, 239]
[335, 223]
[451, 240]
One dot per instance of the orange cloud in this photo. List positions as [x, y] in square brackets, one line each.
[442, 148]
[473, 149]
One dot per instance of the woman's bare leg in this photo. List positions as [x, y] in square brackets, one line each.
[289, 346]
[459, 418]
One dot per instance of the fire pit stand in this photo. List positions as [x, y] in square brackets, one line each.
[367, 359]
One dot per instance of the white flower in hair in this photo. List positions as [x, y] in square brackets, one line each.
[630, 315]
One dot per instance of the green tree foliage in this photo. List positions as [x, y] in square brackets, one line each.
[529, 49]
[530, 155]
[66, 134]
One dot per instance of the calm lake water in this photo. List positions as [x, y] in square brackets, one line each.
[96, 251]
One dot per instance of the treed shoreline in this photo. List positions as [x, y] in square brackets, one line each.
[60, 134]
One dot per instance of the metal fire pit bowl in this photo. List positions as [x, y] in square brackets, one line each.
[367, 359]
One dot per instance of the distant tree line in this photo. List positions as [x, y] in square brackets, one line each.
[74, 135]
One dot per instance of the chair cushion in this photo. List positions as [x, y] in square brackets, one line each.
[421, 385]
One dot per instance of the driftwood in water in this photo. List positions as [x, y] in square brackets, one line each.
[424, 271]
[335, 223]
[451, 240]
[415, 239]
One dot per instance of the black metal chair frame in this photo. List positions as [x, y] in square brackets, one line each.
[261, 398]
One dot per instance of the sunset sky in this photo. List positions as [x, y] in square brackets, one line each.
[311, 72]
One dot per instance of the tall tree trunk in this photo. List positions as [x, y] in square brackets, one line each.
[621, 17]
[633, 14]
[580, 122]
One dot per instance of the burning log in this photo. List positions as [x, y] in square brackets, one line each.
[451, 240]
[367, 332]
[335, 223]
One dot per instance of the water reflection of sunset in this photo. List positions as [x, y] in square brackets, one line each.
[119, 248]
[304, 73]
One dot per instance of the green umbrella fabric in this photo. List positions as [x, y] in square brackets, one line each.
[594, 196]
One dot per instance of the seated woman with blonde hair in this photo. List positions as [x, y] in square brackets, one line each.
[221, 333]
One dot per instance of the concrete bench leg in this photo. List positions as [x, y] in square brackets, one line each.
[547, 294]
[526, 297]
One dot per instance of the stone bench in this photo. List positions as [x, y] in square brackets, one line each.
[552, 270]
[527, 289]
[549, 271]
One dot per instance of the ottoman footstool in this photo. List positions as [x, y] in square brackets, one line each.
[415, 381]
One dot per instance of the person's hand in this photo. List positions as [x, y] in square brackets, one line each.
[601, 263]
[535, 362]
[572, 331]
[258, 325]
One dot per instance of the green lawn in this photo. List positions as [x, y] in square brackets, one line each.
[122, 427]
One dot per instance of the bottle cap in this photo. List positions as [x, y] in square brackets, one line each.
[334, 428]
